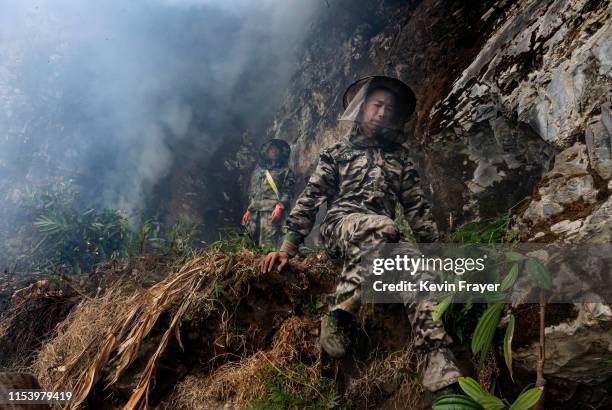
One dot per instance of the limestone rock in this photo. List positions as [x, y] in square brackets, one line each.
[568, 182]
[599, 142]
[566, 226]
[545, 64]
[576, 351]
[597, 227]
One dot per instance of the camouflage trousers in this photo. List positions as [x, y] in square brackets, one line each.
[262, 230]
[348, 239]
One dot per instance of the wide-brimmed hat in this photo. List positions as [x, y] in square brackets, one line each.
[283, 147]
[407, 99]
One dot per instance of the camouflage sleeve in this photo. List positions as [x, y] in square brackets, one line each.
[321, 186]
[287, 189]
[416, 208]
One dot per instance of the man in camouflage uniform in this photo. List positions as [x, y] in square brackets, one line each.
[362, 178]
[264, 216]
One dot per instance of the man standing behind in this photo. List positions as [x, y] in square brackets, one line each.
[362, 178]
[269, 193]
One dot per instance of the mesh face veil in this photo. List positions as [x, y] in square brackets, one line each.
[283, 147]
[379, 105]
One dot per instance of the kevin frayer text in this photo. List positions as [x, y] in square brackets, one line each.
[427, 286]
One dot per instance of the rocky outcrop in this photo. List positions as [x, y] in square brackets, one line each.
[564, 196]
[599, 142]
[577, 355]
[547, 70]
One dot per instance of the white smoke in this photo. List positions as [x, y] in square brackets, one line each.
[101, 91]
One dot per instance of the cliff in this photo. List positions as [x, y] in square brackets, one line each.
[502, 88]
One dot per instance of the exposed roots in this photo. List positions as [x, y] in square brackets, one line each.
[245, 381]
[216, 333]
[126, 333]
[29, 321]
[83, 326]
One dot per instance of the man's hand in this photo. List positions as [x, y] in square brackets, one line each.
[268, 262]
[278, 210]
[246, 217]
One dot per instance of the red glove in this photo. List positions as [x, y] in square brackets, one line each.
[246, 217]
[278, 210]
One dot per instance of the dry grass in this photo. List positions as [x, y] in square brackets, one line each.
[391, 377]
[237, 384]
[81, 328]
[103, 336]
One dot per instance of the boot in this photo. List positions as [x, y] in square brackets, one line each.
[335, 337]
[441, 371]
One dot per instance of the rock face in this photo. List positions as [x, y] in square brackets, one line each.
[599, 142]
[547, 70]
[575, 352]
[548, 64]
[565, 195]
[514, 102]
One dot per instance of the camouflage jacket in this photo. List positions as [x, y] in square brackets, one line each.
[362, 175]
[261, 195]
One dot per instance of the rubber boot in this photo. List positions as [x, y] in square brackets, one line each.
[336, 329]
[441, 371]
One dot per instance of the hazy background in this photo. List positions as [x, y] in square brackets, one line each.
[99, 94]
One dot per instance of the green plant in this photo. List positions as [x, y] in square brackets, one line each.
[231, 241]
[293, 387]
[313, 307]
[67, 239]
[485, 330]
[456, 402]
[148, 233]
[488, 232]
[478, 398]
[56, 235]
[181, 236]
[508, 344]
[153, 236]
[491, 230]
[219, 293]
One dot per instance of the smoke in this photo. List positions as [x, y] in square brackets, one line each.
[101, 93]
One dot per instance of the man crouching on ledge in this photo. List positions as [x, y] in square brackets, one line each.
[361, 178]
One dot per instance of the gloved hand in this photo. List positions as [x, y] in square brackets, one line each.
[278, 210]
[246, 217]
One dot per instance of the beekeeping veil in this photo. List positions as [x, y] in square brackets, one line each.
[357, 96]
[283, 147]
